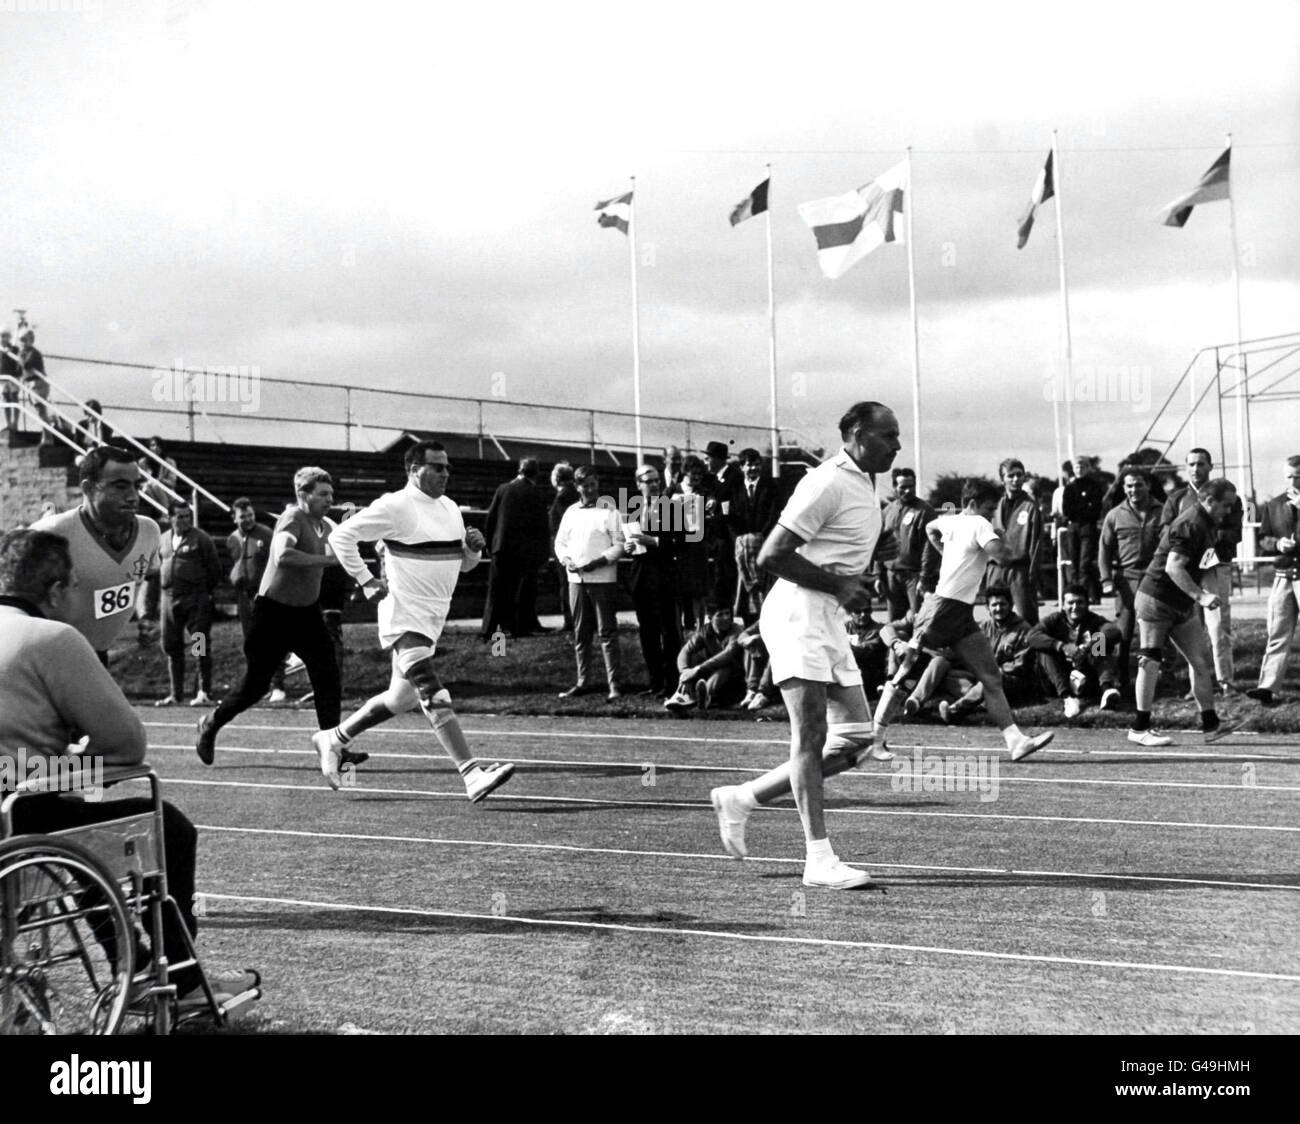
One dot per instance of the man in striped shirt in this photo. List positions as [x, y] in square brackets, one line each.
[426, 549]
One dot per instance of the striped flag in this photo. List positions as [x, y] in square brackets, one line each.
[1213, 186]
[1044, 189]
[755, 203]
[616, 212]
[848, 227]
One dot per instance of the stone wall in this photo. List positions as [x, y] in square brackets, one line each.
[26, 488]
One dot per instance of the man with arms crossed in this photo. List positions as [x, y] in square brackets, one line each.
[113, 549]
[1166, 605]
[820, 551]
[426, 549]
[968, 544]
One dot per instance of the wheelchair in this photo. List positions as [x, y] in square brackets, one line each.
[70, 904]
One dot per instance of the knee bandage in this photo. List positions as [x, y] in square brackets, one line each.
[416, 666]
[850, 740]
[1150, 657]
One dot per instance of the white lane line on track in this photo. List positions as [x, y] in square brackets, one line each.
[1209, 754]
[673, 767]
[714, 856]
[818, 942]
[498, 797]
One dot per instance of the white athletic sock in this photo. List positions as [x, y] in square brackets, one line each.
[1013, 736]
[819, 850]
[745, 796]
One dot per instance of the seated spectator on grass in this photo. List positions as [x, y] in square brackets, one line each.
[54, 692]
[1077, 651]
[938, 678]
[714, 665]
[1009, 637]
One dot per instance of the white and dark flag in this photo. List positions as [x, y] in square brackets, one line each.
[848, 227]
[616, 212]
[1044, 189]
[1213, 186]
[755, 203]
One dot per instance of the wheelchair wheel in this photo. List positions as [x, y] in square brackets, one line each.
[67, 945]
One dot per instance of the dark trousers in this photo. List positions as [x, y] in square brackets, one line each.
[245, 609]
[724, 571]
[43, 814]
[1098, 670]
[1125, 622]
[1023, 585]
[903, 590]
[185, 617]
[656, 622]
[277, 630]
[511, 597]
[1083, 558]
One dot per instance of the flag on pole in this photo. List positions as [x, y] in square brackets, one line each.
[1213, 186]
[848, 227]
[616, 212]
[1044, 189]
[755, 203]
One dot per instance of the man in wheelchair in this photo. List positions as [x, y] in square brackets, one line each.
[54, 691]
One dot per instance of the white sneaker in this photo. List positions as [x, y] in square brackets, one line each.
[1071, 707]
[731, 819]
[1148, 738]
[480, 783]
[1110, 699]
[331, 756]
[202, 699]
[880, 751]
[759, 701]
[276, 696]
[294, 665]
[1031, 745]
[170, 700]
[681, 699]
[911, 707]
[831, 874]
[744, 703]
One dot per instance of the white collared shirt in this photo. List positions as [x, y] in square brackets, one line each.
[588, 533]
[835, 511]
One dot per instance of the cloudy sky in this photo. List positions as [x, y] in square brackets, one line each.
[400, 196]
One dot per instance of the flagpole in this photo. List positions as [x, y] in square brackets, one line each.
[1244, 465]
[636, 324]
[916, 337]
[1065, 302]
[771, 331]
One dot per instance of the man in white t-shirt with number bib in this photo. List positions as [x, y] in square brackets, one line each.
[968, 543]
[112, 548]
[821, 552]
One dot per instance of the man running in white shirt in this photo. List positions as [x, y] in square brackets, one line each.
[426, 549]
[968, 543]
[821, 552]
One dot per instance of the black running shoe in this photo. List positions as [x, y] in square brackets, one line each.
[206, 746]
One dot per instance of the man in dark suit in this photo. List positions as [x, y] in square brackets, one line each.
[751, 516]
[721, 483]
[518, 538]
[652, 543]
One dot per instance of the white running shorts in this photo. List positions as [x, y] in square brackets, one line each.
[806, 638]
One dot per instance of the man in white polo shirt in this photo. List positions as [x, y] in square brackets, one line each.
[821, 551]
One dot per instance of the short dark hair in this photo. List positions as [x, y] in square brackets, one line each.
[899, 472]
[997, 591]
[1137, 474]
[242, 502]
[750, 456]
[585, 470]
[859, 414]
[1218, 489]
[562, 473]
[978, 492]
[1014, 462]
[528, 467]
[31, 562]
[177, 505]
[1204, 452]
[1074, 589]
[93, 463]
[415, 454]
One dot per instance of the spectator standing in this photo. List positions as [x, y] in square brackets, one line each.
[589, 545]
[11, 368]
[653, 542]
[906, 518]
[517, 535]
[753, 514]
[1019, 525]
[1215, 579]
[693, 552]
[190, 573]
[672, 470]
[249, 548]
[1130, 533]
[722, 481]
[1279, 531]
[1082, 508]
[566, 495]
[33, 364]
